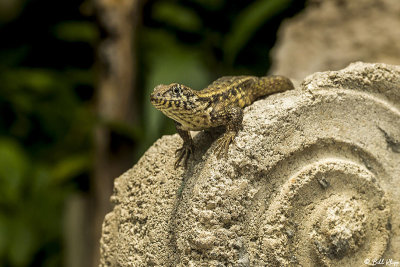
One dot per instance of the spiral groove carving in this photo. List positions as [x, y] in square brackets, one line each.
[330, 225]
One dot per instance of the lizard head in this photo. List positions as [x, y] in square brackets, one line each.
[173, 99]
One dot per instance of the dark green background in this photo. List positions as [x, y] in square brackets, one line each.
[48, 84]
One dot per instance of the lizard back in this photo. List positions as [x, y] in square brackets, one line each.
[244, 90]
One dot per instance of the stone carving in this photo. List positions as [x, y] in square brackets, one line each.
[313, 179]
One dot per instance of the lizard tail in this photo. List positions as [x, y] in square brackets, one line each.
[272, 84]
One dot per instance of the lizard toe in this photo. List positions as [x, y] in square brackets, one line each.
[182, 154]
[222, 147]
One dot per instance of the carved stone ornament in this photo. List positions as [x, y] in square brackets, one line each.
[312, 180]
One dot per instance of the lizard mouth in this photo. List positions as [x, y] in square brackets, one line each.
[159, 102]
[156, 98]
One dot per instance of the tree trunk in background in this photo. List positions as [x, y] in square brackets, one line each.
[115, 102]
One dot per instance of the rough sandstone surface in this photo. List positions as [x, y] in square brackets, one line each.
[313, 179]
[330, 34]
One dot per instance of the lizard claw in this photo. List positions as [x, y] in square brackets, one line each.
[183, 153]
[223, 143]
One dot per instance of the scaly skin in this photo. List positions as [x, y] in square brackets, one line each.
[221, 103]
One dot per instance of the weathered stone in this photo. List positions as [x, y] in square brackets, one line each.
[330, 34]
[313, 179]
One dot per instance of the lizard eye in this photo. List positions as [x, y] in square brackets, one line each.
[176, 90]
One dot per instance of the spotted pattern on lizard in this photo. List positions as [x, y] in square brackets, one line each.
[221, 103]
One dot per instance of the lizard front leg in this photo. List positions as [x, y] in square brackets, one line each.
[234, 116]
[187, 148]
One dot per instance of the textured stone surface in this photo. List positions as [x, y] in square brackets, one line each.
[313, 180]
[330, 34]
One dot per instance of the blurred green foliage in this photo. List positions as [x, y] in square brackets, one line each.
[46, 123]
[248, 21]
[46, 97]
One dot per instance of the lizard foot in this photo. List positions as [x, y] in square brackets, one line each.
[183, 153]
[223, 144]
